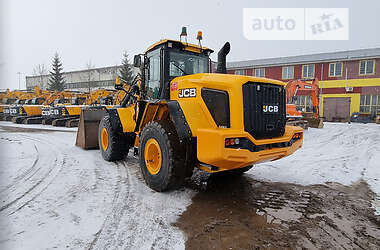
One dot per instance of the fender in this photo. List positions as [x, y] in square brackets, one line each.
[179, 120]
[115, 119]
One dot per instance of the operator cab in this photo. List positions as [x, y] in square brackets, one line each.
[78, 100]
[168, 59]
[28, 102]
[37, 101]
[108, 100]
[61, 101]
[19, 102]
[9, 100]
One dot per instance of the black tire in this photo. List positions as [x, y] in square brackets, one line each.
[172, 172]
[118, 142]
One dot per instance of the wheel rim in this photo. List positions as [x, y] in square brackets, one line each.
[104, 138]
[153, 156]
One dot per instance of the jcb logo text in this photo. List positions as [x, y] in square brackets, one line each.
[183, 93]
[270, 108]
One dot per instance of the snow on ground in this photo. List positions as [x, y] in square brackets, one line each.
[56, 195]
[35, 126]
[340, 152]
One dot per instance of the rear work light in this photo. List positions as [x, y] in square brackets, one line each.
[297, 136]
[231, 141]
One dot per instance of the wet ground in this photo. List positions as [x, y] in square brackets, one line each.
[54, 195]
[237, 212]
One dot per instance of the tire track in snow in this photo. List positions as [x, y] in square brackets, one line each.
[23, 175]
[37, 181]
[104, 238]
[139, 218]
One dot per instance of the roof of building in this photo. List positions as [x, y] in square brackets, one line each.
[320, 57]
[82, 70]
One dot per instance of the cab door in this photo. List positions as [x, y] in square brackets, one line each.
[153, 75]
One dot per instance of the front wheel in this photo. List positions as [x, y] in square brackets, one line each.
[113, 144]
[161, 157]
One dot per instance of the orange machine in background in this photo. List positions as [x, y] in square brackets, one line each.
[311, 89]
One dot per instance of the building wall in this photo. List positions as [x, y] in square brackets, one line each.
[349, 84]
[275, 72]
[81, 80]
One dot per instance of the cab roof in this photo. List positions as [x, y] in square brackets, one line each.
[187, 46]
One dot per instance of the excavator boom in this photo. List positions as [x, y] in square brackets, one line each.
[312, 89]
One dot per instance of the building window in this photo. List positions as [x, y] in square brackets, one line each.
[367, 67]
[288, 72]
[240, 72]
[303, 103]
[308, 71]
[335, 69]
[370, 104]
[260, 72]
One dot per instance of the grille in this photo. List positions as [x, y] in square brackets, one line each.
[264, 110]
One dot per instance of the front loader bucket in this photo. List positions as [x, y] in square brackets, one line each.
[87, 135]
[314, 122]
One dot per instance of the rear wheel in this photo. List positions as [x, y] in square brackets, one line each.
[161, 157]
[113, 143]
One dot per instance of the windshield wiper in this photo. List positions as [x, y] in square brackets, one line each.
[178, 67]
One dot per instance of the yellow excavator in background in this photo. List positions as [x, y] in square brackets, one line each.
[30, 112]
[61, 98]
[21, 99]
[68, 114]
[9, 98]
[182, 116]
[3, 99]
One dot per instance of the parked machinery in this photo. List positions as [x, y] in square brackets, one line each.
[21, 99]
[307, 119]
[3, 100]
[31, 111]
[68, 114]
[9, 98]
[181, 116]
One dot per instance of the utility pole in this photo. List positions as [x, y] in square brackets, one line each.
[19, 80]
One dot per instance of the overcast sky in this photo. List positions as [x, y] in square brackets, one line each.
[31, 31]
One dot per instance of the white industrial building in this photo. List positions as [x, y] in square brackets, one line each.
[81, 80]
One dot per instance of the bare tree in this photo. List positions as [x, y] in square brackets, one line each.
[89, 74]
[40, 70]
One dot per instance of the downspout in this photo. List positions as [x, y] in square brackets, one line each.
[321, 92]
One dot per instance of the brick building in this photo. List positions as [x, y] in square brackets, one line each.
[349, 80]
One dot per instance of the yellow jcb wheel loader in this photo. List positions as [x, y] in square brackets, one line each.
[181, 116]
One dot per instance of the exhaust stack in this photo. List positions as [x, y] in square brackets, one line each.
[222, 54]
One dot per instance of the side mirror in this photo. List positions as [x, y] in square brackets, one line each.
[137, 61]
[118, 84]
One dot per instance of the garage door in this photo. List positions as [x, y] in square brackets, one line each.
[336, 109]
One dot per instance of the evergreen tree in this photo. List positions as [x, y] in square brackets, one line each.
[56, 81]
[126, 71]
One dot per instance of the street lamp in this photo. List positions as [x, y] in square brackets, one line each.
[19, 79]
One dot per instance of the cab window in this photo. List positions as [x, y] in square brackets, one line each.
[186, 64]
[153, 83]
